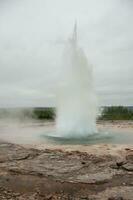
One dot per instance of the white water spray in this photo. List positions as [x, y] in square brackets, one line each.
[76, 100]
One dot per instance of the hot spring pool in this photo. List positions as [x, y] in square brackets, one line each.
[38, 132]
[110, 137]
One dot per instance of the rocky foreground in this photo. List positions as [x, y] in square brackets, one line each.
[28, 174]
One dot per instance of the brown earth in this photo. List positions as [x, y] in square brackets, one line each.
[28, 174]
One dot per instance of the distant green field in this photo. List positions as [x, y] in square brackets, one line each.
[108, 113]
[23, 113]
[44, 113]
[116, 113]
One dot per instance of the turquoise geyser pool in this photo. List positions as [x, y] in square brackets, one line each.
[40, 132]
[110, 137]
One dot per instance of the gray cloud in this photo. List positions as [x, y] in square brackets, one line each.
[32, 36]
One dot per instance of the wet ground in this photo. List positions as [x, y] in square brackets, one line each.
[57, 174]
[33, 169]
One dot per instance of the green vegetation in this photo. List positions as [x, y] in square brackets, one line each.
[108, 113]
[44, 113]
[117, 113]
[27, 113]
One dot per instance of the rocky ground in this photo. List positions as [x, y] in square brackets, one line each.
[33, 174]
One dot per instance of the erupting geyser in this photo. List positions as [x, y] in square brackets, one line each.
[76, 99]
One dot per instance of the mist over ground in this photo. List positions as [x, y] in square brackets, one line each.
[33, 35]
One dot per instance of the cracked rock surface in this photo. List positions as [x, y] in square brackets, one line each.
[27, 174]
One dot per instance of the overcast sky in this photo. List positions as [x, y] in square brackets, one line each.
[32, 36]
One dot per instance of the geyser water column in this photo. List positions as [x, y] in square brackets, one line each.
[76, 100]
